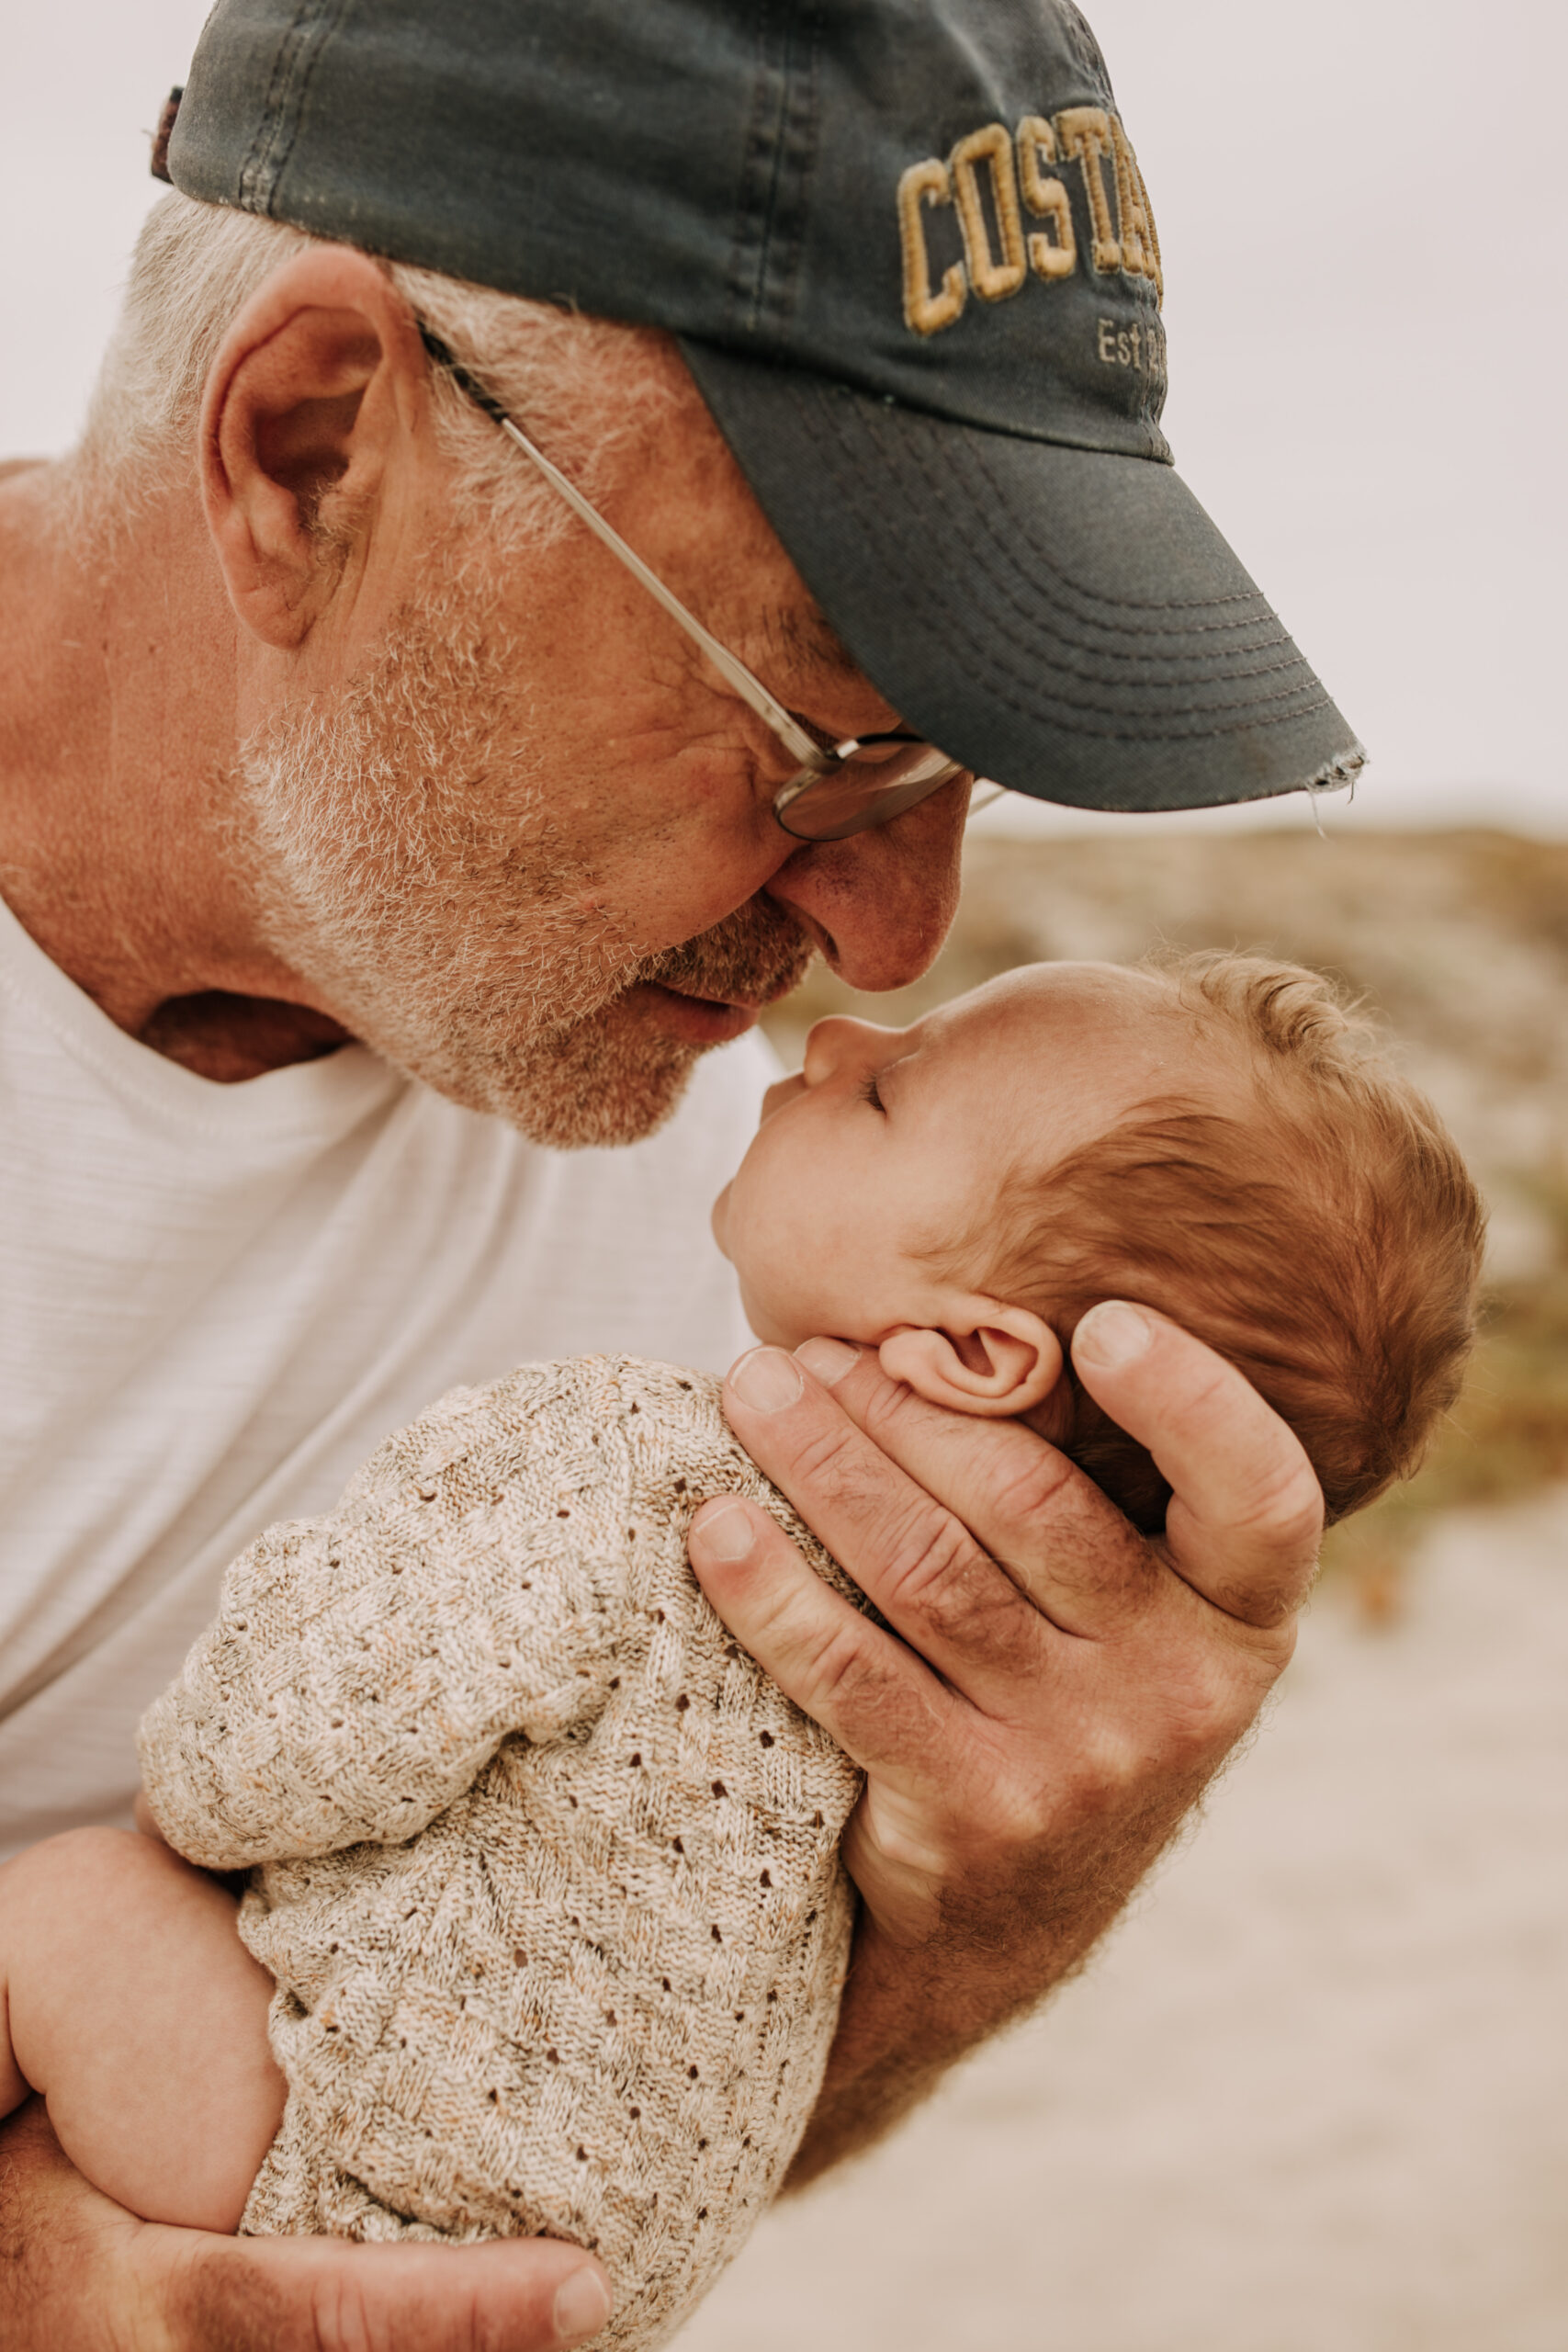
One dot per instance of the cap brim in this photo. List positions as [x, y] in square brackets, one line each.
[1065, 622]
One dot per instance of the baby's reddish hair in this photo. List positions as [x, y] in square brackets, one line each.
[1319, 1229]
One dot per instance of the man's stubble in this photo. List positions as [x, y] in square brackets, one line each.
[410, 871]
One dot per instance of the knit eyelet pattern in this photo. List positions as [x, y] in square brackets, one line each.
[543, 1866]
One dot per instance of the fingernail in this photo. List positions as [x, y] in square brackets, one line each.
[826, 1360]
[1111, 1334]
[767, 1380]
[723, 1533]
[582, 2305]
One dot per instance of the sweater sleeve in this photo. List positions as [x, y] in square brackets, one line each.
[365, 1666]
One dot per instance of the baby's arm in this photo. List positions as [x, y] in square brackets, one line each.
[365, 1666]
[128, 2002]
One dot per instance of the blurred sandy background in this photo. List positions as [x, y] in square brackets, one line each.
[1313, 2097]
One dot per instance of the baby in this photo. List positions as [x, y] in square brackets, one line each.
[545, 1925]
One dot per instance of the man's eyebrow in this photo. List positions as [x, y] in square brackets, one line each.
[802, 636]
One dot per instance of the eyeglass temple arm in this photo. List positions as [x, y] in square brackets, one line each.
[750, 689]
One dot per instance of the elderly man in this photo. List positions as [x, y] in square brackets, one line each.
[575, 496]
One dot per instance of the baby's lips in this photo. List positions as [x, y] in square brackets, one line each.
[783, 1090]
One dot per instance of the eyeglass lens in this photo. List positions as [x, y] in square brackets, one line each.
[871, 785]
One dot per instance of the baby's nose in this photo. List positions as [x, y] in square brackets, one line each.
[838, 1040]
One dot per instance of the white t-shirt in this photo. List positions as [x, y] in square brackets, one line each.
[218, 1299]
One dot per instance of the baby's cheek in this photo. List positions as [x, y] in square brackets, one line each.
[774, 1281]
[767, 1315]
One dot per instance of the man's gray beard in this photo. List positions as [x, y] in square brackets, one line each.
[420, 888]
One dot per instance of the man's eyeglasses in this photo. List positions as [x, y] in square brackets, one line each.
[867, 780]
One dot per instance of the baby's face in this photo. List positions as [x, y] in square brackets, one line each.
[891, 1141]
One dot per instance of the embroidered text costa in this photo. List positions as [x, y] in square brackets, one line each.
[1090, 137]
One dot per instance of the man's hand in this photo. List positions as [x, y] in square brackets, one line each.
[79, 2274]
[1063, 1688]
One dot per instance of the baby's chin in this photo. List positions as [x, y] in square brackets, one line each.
[769, 1331]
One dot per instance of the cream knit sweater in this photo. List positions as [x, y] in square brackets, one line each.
[544, 1868]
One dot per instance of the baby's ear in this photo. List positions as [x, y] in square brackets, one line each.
[991, 1358]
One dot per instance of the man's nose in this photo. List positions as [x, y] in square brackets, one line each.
[879, 904]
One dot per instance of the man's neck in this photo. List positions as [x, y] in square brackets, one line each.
[118, 849]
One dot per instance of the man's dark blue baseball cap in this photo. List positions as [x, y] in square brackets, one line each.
[912, 264]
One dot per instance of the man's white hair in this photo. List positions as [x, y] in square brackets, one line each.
[579, 385]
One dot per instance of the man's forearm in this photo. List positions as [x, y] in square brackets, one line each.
[908, 2017]
[56, 2237]
[900, 2027]
[78, 2274]
[1050, 1691]
[910, 2014]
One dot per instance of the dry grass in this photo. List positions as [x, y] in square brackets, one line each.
[1459, 941]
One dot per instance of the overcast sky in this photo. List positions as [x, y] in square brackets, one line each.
[1360, 206]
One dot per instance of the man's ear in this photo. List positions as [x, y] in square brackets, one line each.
[320, 387]
[991, 1358]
